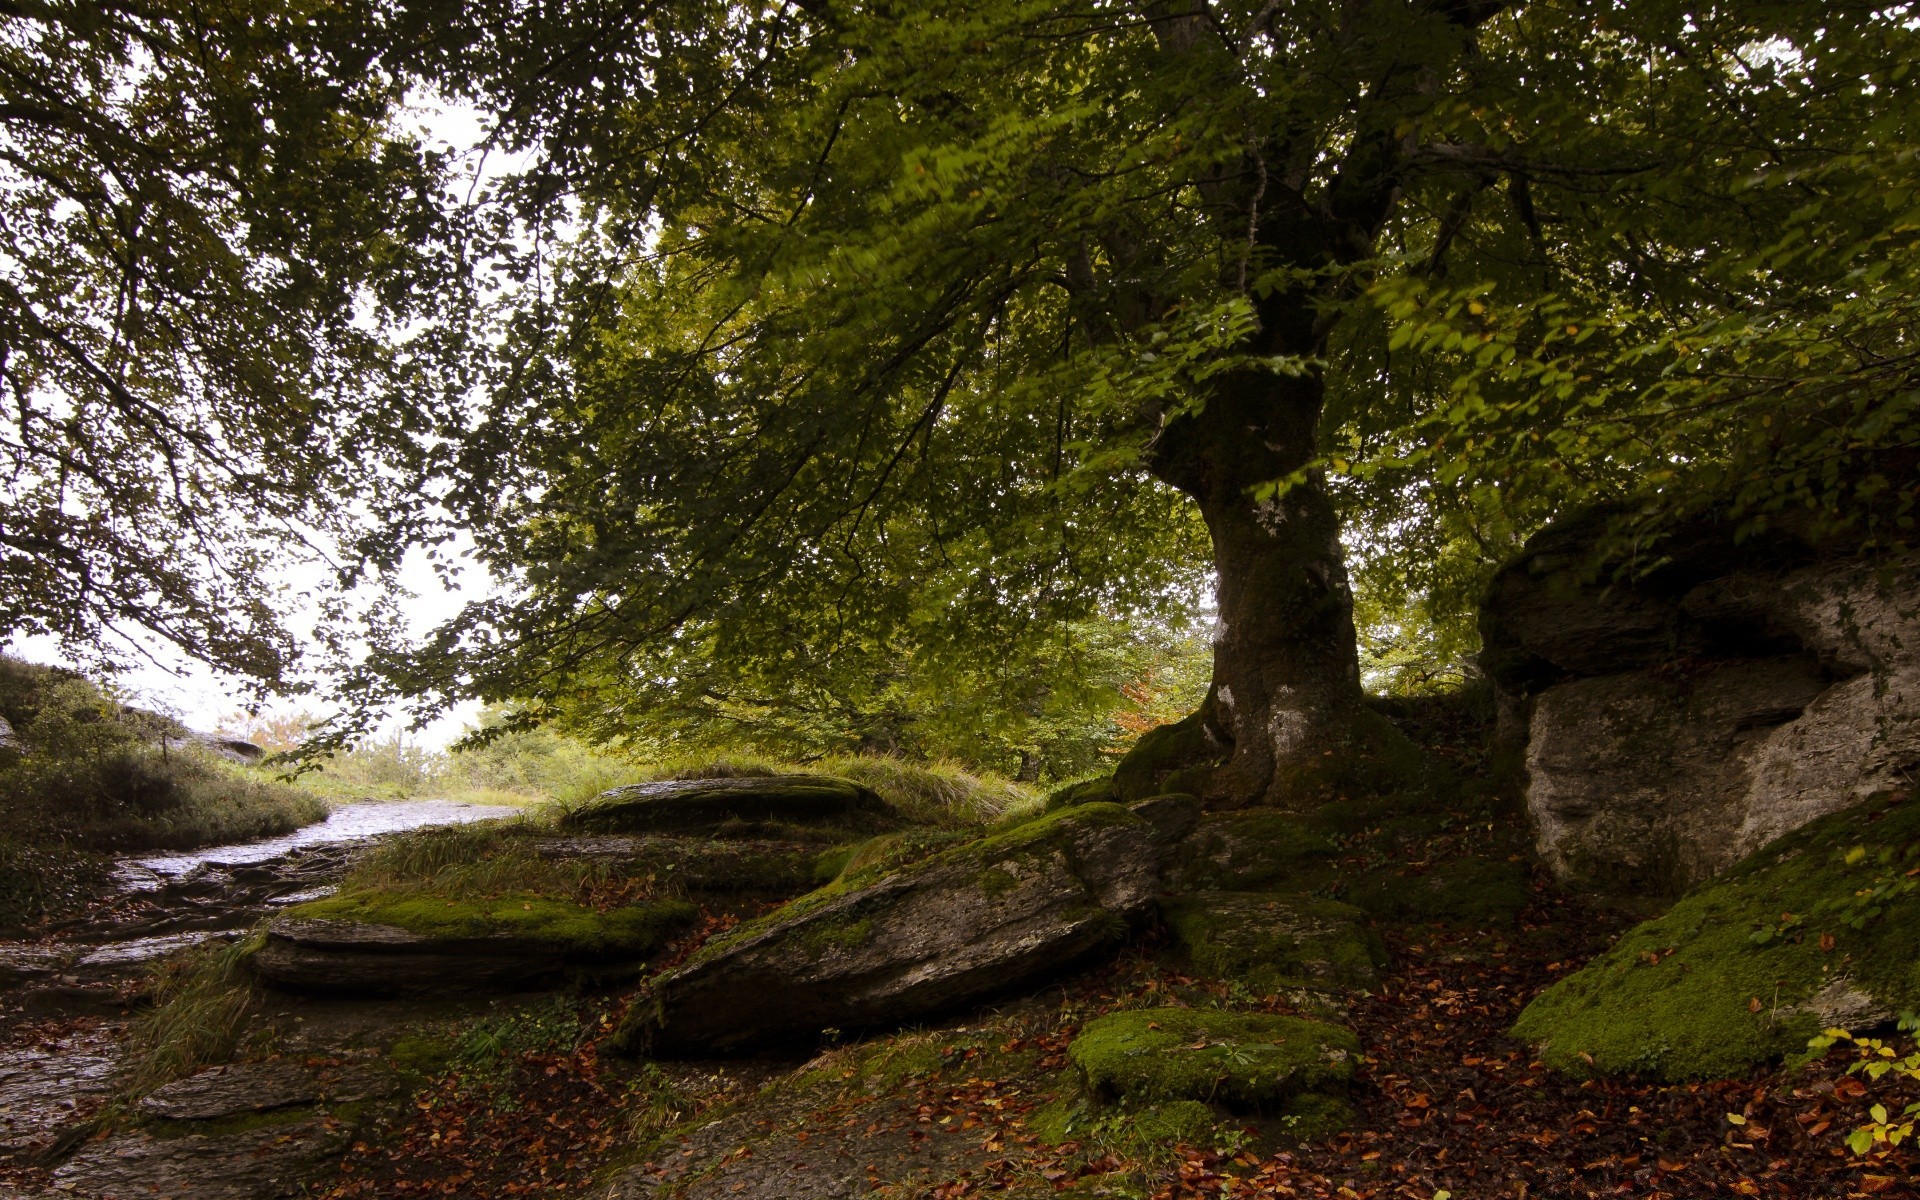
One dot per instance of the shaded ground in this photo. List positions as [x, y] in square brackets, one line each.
[1447, 1102]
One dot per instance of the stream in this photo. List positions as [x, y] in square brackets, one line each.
[64, 996]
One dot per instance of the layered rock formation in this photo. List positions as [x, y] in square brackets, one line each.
[1679, 721]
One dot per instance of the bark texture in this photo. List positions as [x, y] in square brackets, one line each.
[1286, 685]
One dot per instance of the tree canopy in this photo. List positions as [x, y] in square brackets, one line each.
[854, 366]
[872, 322]
[223, 271]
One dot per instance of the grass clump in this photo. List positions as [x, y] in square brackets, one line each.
[1819, 928]
[201, 1000]
[1253, 1061]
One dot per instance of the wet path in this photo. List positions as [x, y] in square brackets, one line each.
[64, 997]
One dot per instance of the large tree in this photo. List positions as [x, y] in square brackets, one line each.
[949, 318]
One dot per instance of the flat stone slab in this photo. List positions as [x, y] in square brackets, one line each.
[240, 1088]
[978, 920]
[747, 806]
[360, 958]
[259, 1164]
[779, 867]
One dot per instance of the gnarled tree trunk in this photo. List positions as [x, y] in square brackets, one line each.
[1286, 679]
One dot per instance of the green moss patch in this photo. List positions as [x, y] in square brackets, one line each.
[1148, 768]
[1254, 851]
[626, 931]
[1821, 927]
[1480, 893]
[1270, 942]
[1243, 1060]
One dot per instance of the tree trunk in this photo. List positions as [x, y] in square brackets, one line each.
[1286, 679]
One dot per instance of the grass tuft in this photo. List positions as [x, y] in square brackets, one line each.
[201, 1000]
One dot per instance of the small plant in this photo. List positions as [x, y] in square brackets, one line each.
[202, 998]
[1876, 1060]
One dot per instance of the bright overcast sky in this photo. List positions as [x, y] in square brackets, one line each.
[204, 699]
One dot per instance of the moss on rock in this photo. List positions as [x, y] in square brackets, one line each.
[1477, 892]
[1819, 928]
[627, 931]
[1243, 1060]
[1254, 851]
[1081, 791]
[1270, 943]
[1180, 748]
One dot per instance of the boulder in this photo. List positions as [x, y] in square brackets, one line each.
[980, 919]
[1245, 1062]
[1676, 723]
[811, 807]
[1818, 929]
[12, 749]
[1274, 943]
[504, 945]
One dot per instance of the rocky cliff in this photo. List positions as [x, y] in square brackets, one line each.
[1678, 720]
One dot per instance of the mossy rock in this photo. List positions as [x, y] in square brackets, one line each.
[800, 807]
[1314, 1116]
[1137, 1131]
[1271, 943]
[876, 856]
[698, 866]
[972, 921]
[628, 931]
[1479, 893]
[1248, 1061]
[1820, 928]
[1373, 759]
[1084, 791]
[1255, 850]
[1181, 748]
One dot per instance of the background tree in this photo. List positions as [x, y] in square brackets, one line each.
[946, 319]
[214, 239]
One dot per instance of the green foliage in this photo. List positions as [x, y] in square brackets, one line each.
[1876, 1060]
[1251, 1060]
[216, 237]
[1732, 976]
[97, 775]
[865, 448]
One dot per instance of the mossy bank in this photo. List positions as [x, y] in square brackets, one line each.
[1818, 929]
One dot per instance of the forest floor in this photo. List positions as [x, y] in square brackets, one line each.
[1450, 1106]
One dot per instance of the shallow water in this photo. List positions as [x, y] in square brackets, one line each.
[348, 823]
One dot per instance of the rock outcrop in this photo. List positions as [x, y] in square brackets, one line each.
[817, 807]
[341, 955]
[980, 919]
[1678, 722]
[1817, 930]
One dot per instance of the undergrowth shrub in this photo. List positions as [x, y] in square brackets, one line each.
[94, 775]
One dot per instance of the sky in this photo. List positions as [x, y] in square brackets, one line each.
[205, 699]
